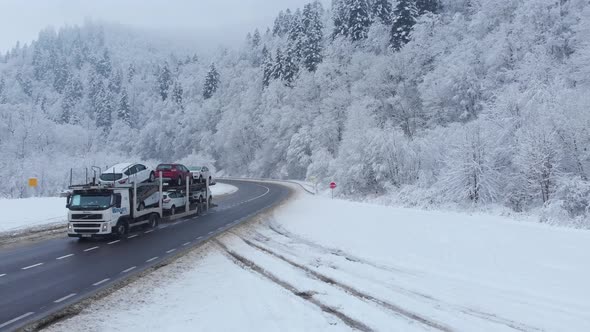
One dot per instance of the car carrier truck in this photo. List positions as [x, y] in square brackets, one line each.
[99, 210]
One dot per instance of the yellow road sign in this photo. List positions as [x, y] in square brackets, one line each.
[33, 182]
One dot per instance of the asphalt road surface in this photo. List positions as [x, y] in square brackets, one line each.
[43, 278]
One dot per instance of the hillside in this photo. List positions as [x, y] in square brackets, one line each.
[468, 102]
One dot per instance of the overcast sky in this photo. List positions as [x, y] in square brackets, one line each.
[227, 20]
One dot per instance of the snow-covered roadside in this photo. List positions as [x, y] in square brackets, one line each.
[220, 189]
[31, 212]
[40, 212]
[321, 264]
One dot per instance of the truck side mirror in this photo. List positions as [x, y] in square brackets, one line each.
[68, 199]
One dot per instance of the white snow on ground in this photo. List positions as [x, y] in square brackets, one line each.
[374, 267]
[223, 189]
[31, 212]
[199, 293]
[24, 213]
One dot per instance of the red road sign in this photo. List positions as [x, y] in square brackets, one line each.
[333, 185]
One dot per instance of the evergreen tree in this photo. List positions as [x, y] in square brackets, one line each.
[211, 82]
[25, 83]
[277, 69]
[103, 65]
[164, 81]
[290, 67]
[405, 14]
[61, 75]
[256, 38]
[359, 19]
[124, 111]
[177, 92]
[267, 67]
[296, 35]
[382, 11]
[116, 82]
[73, 93]
[313, 35]
[2, 84]
[352, 18]
[339, 18]
[278, 24]
[427, 6]
[131, 73]
[101, 105]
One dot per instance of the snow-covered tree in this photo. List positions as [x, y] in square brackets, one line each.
[382, 12]
[124, 109]
[404, 18]
[267, 67]
[427, 6]
[312, 38]
[211, 82]
[164, 81]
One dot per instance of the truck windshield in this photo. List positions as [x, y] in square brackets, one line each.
[90, 202]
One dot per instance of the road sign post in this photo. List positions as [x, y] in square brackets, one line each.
[33, 184]
[332, 186]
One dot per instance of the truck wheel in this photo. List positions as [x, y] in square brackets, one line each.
[153, 220]
[122, 228]
[173, 210]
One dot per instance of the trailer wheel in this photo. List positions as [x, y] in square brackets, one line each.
[122, 228]
[179, 183]
[152, 177]
[173, 210]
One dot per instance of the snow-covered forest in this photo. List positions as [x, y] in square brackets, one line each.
[428, 102]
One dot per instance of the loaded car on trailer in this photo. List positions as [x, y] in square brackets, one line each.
[127, 173]
[174, 173]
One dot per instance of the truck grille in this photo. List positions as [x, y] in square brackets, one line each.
[87, 225]
[86, 231]
[86, 216]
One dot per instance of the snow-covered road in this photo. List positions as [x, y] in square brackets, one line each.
[319, 264]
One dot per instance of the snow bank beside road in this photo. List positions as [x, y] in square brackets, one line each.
[220, 189]
[31, 212]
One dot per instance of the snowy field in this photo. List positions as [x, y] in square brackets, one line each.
[18, 214]
[31, 212]
[319, 265]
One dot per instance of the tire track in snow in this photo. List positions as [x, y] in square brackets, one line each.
[427, 298]
[244, 262]
[350, 290]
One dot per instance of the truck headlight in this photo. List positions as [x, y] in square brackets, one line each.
[105, 226]
[70, 227]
